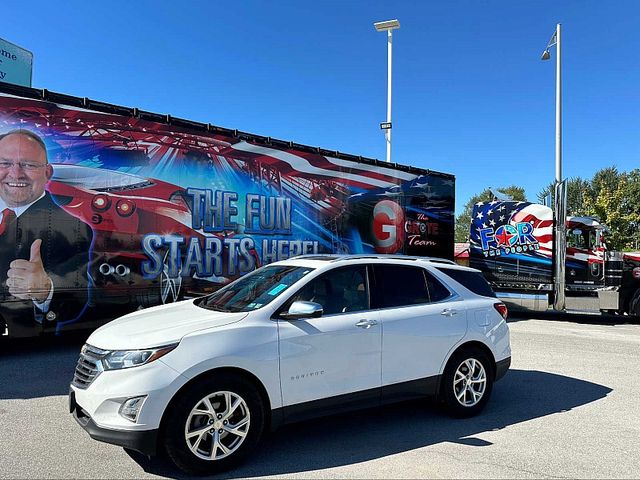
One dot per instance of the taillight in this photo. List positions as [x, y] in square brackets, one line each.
[101, 202]
[502, 309]
[125, 208]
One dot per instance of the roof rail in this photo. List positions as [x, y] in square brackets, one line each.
[319, 256]
[337, 257]
[438, 260]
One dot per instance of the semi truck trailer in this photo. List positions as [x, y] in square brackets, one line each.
[106, 209]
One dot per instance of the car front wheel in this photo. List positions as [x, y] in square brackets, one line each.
[467, 382]
[214, 425]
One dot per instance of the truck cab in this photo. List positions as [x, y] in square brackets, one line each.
[512, 243]
[586, 250]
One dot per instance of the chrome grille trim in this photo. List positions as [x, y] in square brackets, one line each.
[89, 366]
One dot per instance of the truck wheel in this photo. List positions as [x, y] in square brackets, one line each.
[634, 304]
[467, 382]
[214, 425]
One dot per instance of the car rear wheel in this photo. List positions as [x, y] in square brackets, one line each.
[467, 382]
[214, 425]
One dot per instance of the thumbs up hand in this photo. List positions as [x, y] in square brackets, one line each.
[27, 279]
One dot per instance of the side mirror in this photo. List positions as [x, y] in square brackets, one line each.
[301, 309]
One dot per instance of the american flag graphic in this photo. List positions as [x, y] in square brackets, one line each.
[319, 181]
[496, 213]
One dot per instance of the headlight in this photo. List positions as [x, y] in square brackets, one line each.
[119, 359]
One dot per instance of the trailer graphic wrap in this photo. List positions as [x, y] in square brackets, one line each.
[512, 242]
[157, 209]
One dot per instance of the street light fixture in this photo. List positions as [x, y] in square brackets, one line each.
[388, 26]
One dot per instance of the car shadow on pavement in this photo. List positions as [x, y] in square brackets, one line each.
[520, 396]
[38, 367]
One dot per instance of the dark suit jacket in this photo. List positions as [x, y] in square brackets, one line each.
[65, 252]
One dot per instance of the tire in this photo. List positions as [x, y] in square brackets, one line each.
[465, 394]
[634, 304]
[234, 432]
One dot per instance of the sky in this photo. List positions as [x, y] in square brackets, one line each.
[471, 96]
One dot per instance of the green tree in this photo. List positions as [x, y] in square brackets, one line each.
[616, 204]
[463, 221]
[579, 195]
[613, 198]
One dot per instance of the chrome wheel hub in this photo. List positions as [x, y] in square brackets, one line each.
[469, 382]
[217, 425]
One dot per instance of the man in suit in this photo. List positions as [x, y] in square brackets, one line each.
[43, 250]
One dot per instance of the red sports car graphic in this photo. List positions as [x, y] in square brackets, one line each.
[122, 208]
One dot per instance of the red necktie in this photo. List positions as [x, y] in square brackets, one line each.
[7, 216]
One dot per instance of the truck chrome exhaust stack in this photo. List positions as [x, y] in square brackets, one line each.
[559, 246]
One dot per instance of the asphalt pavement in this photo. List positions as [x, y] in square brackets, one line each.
[567, 409]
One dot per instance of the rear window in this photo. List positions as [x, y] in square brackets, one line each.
[473, 281]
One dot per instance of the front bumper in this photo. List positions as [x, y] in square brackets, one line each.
[96, 408]
[143, 441]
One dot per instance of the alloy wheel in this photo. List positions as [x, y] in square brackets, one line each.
[469, 382]
[217, 425]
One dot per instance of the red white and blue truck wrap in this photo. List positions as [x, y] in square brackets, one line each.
[512, 243]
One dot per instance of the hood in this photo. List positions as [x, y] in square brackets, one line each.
[156, 326]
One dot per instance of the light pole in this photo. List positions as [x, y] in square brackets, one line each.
[560, 204]
[388, 26]
[555, 40]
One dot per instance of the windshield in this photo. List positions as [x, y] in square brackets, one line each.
[254, 290]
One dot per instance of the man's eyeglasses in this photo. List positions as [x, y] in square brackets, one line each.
[23, 165]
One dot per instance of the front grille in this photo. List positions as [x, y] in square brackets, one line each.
[89, 366]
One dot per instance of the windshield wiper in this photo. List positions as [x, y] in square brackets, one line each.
[202, 304]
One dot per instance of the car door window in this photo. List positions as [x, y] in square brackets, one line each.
[437, 291]
[340, 290]
[399, 285]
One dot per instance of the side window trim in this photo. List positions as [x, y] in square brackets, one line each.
[367, 284]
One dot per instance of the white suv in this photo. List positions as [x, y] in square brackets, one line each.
[204, 379]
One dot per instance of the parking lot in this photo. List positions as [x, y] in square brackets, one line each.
[568, 408]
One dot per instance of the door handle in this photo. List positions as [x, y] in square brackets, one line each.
[449, 312]
[366, 323]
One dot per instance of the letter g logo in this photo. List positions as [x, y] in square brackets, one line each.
[387, 227]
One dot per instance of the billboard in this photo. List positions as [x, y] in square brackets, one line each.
[138, 210]
[16, 64]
